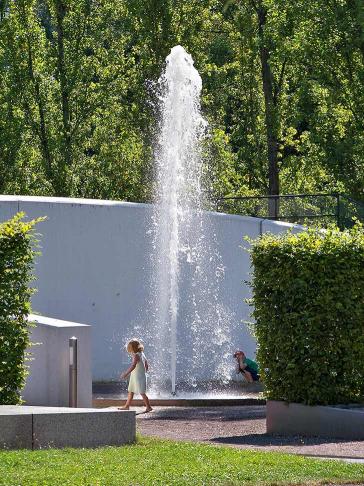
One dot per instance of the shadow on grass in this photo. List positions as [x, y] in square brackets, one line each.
[275, 440]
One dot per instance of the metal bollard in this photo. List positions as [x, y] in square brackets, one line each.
[72, 394]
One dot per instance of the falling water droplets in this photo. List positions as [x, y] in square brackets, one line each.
[187, 267]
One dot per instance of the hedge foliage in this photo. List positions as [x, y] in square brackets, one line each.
[308, 298]
[17, 252]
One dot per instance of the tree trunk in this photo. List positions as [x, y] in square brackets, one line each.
[39, 128]
[270, 115]
[360, 22]
[42, 131]
[65, 97]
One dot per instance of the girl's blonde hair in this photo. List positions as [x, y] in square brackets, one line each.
[134, 346]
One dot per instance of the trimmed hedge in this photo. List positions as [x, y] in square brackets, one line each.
[17, 241]
[308, 298]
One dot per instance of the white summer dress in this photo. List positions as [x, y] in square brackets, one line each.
[138, 377]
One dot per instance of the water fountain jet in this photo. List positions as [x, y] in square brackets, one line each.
[183, 241]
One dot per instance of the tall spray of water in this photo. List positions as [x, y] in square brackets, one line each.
[178, 179]
[182, 242]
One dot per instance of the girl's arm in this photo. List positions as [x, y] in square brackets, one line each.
[136, 360]
[146, 366]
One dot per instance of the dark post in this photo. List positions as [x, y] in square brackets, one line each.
[338, 211]
[273, 206]
[72, 394]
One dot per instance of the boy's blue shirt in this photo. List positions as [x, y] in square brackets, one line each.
[252, 364]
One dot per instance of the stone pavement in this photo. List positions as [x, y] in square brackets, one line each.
[242, 427]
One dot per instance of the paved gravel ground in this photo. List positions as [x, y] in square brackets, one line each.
[242, 427]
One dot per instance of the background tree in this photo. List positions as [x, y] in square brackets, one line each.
[282, 92]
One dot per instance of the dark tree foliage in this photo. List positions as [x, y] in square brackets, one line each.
[283, 94]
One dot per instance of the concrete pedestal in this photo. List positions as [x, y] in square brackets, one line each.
[48, 381]
[23, 427]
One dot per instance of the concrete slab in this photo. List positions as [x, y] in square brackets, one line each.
[83, 429]
[181, 402]
[325, 421]
[41, 427]
[95, 261]
[15, 429]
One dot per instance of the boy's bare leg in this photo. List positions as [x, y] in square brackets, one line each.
[146, 401]
[248, 376]
[128, 402]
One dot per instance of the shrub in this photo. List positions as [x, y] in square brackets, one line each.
[17, 243]
[308, 297]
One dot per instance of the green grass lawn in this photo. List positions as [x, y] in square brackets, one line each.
[154, 461]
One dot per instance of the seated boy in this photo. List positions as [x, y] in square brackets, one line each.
[247, 367]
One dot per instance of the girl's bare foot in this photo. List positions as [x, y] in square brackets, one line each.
[148, 409]
[123, 408]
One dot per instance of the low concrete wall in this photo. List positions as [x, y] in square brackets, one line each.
[96, 267]
[16, 428]
[297, 419]
[42, 427]
[48, 381]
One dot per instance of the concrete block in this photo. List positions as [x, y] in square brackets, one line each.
[27, 427]
[325, 421]
[48, 380]
[15, 429]
[277, 227]
[83, 428]
[10, 208]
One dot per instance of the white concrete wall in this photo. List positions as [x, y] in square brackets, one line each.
[94, 264]
[48, 381]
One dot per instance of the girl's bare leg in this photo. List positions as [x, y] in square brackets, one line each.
[128, 402]
[146, 401]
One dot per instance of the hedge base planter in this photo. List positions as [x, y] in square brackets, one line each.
[341, 422]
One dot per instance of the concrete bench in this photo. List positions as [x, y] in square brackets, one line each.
[23, 427]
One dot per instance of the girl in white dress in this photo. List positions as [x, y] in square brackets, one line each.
[137, 372]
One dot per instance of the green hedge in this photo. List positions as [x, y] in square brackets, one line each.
[17, 243]
[308, 298]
